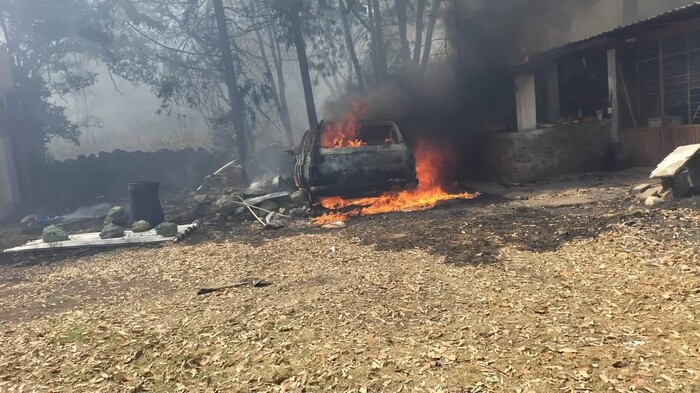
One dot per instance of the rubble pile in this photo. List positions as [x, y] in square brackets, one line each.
[652, 194]
[272, 199]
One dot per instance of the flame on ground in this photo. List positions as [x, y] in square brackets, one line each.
[433, 164]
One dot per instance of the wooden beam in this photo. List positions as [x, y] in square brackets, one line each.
[526, 102]
[553, 98]
[612, 94]
[662, 84]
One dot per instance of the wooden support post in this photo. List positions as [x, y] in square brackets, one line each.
[553, 101]
[662, 84]
[612, 95]
[526, 102]
[10, 198]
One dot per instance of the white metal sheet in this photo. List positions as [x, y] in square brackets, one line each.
[93, 240]
[672, 164]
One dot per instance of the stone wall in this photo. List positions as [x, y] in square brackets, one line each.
[543, 153]
[66, 185]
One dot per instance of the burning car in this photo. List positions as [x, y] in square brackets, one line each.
[355, 158]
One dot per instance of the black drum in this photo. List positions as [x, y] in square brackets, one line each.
[144, 202]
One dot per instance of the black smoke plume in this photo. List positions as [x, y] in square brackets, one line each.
[472, 90]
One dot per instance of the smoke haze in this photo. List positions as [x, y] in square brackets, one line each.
[472, 90]
[484, 37]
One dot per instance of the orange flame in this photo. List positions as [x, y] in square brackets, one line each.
[344, 132]
[354, 143]
[433, 166]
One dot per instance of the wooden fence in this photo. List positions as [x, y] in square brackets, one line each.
[648, 146]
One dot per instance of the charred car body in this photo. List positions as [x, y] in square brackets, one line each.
[360, 159]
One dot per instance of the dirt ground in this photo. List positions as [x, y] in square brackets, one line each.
[568, 286]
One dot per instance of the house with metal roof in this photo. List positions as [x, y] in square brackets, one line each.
[637, 85]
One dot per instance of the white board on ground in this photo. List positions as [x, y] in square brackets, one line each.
[93, 240]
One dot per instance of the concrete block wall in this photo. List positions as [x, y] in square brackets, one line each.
[543, 153]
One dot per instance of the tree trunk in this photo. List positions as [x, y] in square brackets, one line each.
[372, 45]
[434, 11]
[237, 103]
[402, 18]
[351, 45]
[303, 65]
[378, 41]
[275, 95]
[281, 84]
[419, 31]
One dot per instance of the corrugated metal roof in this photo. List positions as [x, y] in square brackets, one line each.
[682, 11]
[687, 12]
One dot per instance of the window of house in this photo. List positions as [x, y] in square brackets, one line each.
[694, 76]
[675, 77]
[583, 85]
[659, 82]
[639, 86]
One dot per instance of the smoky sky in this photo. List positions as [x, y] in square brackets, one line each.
[491, 33]
[487, 36]
[472, 89]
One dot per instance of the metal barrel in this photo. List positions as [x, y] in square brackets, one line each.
[144, 202]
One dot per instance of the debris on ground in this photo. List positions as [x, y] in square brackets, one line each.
[182, 234]
[141, 226]
[53, 234]
[667, 196]
[112, 231]
[117, 216]
[640, 188]
[276, 220]
[36, 223]
[652, 195]
[653, 201]
[267, 183]
[166, 229]
[299, 197]
[651, 191]
[334, 225]
[251, 203]
[271, 197]
[251, 282]
[226, 205]
[267, 205]
[83, 213]
[225, 200]
[230, 175]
